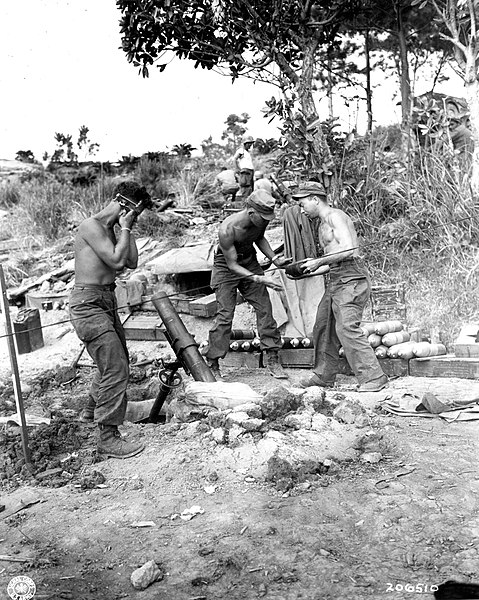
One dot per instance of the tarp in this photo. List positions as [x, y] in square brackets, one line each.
[189, 259]
[297, 304]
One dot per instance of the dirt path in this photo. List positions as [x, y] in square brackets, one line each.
[358, 531]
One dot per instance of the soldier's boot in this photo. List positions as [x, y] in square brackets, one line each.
[274, 366]
[111, 444]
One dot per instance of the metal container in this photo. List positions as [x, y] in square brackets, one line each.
[28, 330]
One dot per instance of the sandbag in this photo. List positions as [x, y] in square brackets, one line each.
[220, 394]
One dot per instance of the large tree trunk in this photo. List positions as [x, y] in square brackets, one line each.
[405, 79]
[308, 107]
[369, 93]
[471, 89]
[330, 87]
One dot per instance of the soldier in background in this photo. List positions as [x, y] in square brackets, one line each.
[244, 163]
[261, 182]
[226, 179]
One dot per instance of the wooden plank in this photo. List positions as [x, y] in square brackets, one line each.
[144, 327]
[445, 366]
[251, 360]
[8, 245]
[67, 268]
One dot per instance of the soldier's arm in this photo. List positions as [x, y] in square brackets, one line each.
[226, 240]
[113, 255]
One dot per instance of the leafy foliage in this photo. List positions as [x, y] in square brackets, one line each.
[213, 151]
[242, 38]
[67, 150]
[235, 129]
[237, 35]
[183, 150]
[25, 156]
[296, 145]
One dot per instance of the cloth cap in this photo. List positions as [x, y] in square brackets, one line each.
[263, 203]
[247, 139]
[310, 188]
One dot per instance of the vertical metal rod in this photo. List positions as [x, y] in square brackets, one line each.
[14, 364]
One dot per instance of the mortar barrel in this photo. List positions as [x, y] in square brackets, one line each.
[181, 340]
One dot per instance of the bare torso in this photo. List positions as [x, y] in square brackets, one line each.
[337, 233]
[89, 267]
[238, 229]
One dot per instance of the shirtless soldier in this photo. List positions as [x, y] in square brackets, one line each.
[341, 308]
[236, 268]
[99, 254]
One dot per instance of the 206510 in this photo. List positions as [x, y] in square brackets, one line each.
[413, 588]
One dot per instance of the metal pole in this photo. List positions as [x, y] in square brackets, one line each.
[15, 374]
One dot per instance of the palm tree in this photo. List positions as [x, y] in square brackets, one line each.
[183, 150]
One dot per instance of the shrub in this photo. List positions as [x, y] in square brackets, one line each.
[9, 195]
[49, 209]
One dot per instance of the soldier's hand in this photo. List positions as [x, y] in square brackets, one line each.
[282, 261]
[268, 283]
[310, 265]
[128, 219]
[313, 265]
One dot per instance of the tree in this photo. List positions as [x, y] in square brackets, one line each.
[236, 128]
[183, 150]
[66, 151]
[84, 143]
[25, 156]
[460, 18]
[397, 28]
[241, 38]
[213, 151]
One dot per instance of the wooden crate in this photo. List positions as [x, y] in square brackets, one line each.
[182, 305]
[445, 366]
[303, 358]
[392, 367]
[299, 358]
[465, 345]
[251, 360]
[204, 307]
[395, 367]
[144, 327]
[388, 303]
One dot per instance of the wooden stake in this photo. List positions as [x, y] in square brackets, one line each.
[14, 364]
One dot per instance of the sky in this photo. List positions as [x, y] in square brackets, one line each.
[61, 68]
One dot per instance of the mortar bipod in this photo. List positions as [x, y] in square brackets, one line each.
[169, 379]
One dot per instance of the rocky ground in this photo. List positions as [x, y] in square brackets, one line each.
[303, 495]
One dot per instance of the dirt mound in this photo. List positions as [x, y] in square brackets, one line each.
[58, 452]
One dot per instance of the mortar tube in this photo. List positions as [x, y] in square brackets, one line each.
[181, 340]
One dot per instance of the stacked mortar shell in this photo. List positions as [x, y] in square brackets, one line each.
[253, 344]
